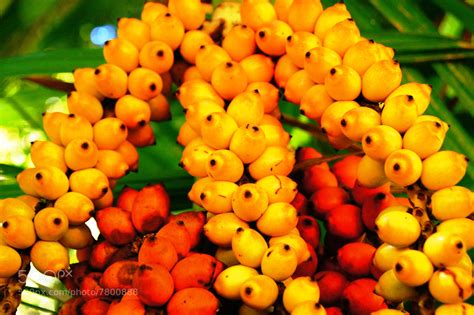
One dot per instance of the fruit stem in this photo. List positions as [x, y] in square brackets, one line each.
[314, 130]
[311, 162]
[9, 291]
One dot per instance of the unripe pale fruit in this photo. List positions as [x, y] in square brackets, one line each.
[75, 127]
[451, 285]
[444, 249]
[397, 228]
[331, 118]
[47, 153]
[197, 112]
[278, 220]
[50, 182]
[221, 228]
[224, 165]
[319, 61]
[49, 257]
[248, 246]
[230, 281]
[80, 154]
[343, 83]
[393, 290]
[273, 161]
[380, 141]
[259, 292]
[346, 29]
[403, 167]
[399, 112]
[246, 108]
[248, 143]
[194, 160]
[455, 309]
[296, 242]
[216, 197]
[371, 173]
[249, 202]
[413, 268]
[452, 202]
[51, 224]
[195, 193]
[443, 169]
[18, 232]
[421, 93]
[424, 138]
[217, 130]
[300, 290]
[381, 79]
[386, 255]
[90, 182]
[358, 121]
[10, 261]
[459, 226]
[308, 308]
[315, 101]
[278, 188]
[279, 262]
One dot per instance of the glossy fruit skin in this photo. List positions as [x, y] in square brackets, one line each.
[10, 261]
[443, 169]
[49, 257]
[451, 285]
[116, 225]
[230, 281]
[300, 290]
[249, 246]
[259, 292]
[346, 29]
[249, 202]
[279, 262]
[150, 208]
[375, 204]
[385, 256]
[403, 167]
[413, 268]
[375, 73]
[331, 284]
[345, 221]
[452, 202]
[371, 172]
[307, 268]
[220, 228]
[356, 258]
[196, 271]
[216, 197]
[327, 198]
[240, 42]
[158, 250]
[309, 230]
[399, 112]
[359, 299]
[218, 129]
[392, 289]
[444, 249]
[278, 188]
[178, 235]
[461, 227]
[380, 141]
[278, 220]
[154, 284]
[390, 226]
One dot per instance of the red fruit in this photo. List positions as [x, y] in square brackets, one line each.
[327, 198]
[126, 198]
[126, 308]
[90, 287]
[151, 208]
[334, 310]
[356, 258]
[333, 243]
[79, 271]
[178, 235]
[358, 298]
[331, 284]
[360, 193]
[194, 222]
[316, 178]
[346, 170]
[345, 221]
[71, 307]
[306, 153]
[154, 284]
[115, 225]
[119, 275]
[307, 268]
[375, 204]
[193, 301]
[158, 250]
[309, 230]
[196, 271]
[83, 254]
[101, 255]
[95, 307]
[301, 204]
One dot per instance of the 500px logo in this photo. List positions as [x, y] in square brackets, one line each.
[61, 274]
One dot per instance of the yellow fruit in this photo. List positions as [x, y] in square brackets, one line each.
[248, 246]
[392, 289]
[309, 308]
[275, 135]
[52, 122]
[50, 182]
[296, 242]
[224, 165]
[403, 167]
[465, 263]
[195, 193]
[319, 61]
[330, 17]
[362, 55]
[246, 109]
[424, 138]
[106, 200]
[109, 133]
[297, 85]
[443, 169]
[186, 134]
[197, 90]
[302, 14]
[273, 161]
[399, 112]
[444, 249]
[25, 180]
[10, 262]
[90, 182]
[216, 196]
[279, 262]
[452, 202]
[85, 105]
[218, 129]
[413, 268]
[75, 127]
[77, 237]
[249, 202]
[130, 154]
[226, 256]
[434, 119]
[387, 311]
[279, 188]
[49, 257]
[278, 220]
[358, 121]
[122, 53]
[271, 39]
[297, 45]
[112, 164]
[343, 83]
[381, 79]
[80, 154]
[346, 29]
[191, 13]
[209, 57]
[300, 290]
[248, 143]
[197, 113]
[397, 228]
[380, 141]
[13, 206]
[84, 81]
[221, 228]
[195, 162]
[255, 13]
[420, 92]
[111, 80]
[459, 226]
[76, 206]
[331, 118]
[134, 112]
[46, 153]
[370, 172]
[386, 255]
[230, 281]
[451, 285]
[29, 200]
[18, 232]
[259, 292]
[455, 309]
[315, 101]
[51, 224]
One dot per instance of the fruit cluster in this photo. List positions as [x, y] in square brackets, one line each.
[124, 273]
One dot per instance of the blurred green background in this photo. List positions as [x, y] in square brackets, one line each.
[433, 40]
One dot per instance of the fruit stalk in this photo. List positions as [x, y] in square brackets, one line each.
[12, 288]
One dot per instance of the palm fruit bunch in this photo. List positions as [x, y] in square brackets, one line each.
[146, 258]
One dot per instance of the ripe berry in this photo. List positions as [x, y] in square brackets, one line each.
[356, 258]
[284, 69]
[346, 29]
[331, 284]
[271, 39]
[278, 220]
[327, 198]
[302, 14]
[345, 221]
[168, 29]
[298, 44]
[297, 85]
[403, 167]
[156, 56]
[315, 101]
[343, 83]
[380, 141]
[122, 53]
[358, 297]
[256, 14]
[258, 67]
[381, 79]
[229, 79]
[111, 80]
[249, 246]
[240, 42]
